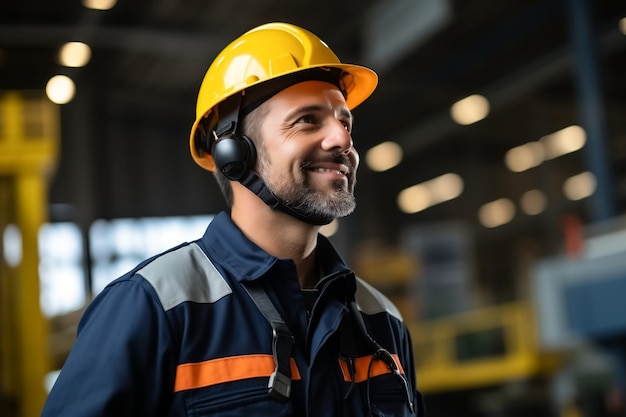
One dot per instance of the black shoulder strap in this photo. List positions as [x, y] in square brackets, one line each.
[280, 381]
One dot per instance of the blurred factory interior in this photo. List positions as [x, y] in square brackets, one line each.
[491, 195]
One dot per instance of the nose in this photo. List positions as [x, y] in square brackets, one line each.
[337, 138]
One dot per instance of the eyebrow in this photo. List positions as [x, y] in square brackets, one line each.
[344, 112]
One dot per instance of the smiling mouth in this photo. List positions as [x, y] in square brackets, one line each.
[341, 171]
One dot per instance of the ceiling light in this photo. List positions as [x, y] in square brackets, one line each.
[74, 54]
[532, 154]
[579, 186]
[445, 187]
[60, 89]
[99, 4]
[524, 157]
[414, 199]
[496, 213]
[419, 197]
[383, 156]
[470, 109]
[564, 141]
[533, 202]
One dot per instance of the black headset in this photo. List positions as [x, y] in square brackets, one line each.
[234, 154]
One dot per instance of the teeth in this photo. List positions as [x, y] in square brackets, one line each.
[327, 170]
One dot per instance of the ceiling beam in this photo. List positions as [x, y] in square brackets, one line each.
[424, 133]
[161, 42]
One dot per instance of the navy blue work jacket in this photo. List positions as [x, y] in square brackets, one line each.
[180, 336]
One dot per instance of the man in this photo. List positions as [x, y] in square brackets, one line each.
[259, 317]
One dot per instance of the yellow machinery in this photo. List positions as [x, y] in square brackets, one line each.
[479, 348]
[29, 142]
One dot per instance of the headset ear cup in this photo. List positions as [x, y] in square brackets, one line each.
[251, 149]
[234, 155]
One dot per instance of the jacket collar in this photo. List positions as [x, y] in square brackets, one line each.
[245, 261]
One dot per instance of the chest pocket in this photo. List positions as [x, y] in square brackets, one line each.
[387, 397]
[382, 385]
[236, 399]
[231, 386]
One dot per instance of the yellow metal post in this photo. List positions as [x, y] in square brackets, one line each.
[29, 137]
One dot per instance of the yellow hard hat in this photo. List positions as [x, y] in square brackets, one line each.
[265, 53]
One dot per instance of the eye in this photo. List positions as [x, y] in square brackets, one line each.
[347, 124]
[307, 118]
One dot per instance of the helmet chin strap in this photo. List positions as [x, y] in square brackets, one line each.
[254, 183]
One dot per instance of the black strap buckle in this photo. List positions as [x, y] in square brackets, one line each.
[280, 381]
[279, 384]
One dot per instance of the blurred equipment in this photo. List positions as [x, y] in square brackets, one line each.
[29, 139]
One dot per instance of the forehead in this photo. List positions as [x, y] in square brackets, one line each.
[307, 93]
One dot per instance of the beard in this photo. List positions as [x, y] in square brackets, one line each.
[307, 199]
[302, 196]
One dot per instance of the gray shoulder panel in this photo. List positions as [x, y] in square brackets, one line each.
[371, 301]
[185, 274]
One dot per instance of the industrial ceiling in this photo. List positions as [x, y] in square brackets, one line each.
[539, 63]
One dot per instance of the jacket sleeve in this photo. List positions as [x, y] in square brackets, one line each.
[122, 362]
[409, 360]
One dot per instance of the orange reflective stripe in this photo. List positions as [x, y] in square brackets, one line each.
[219, 371]
[363, 369]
